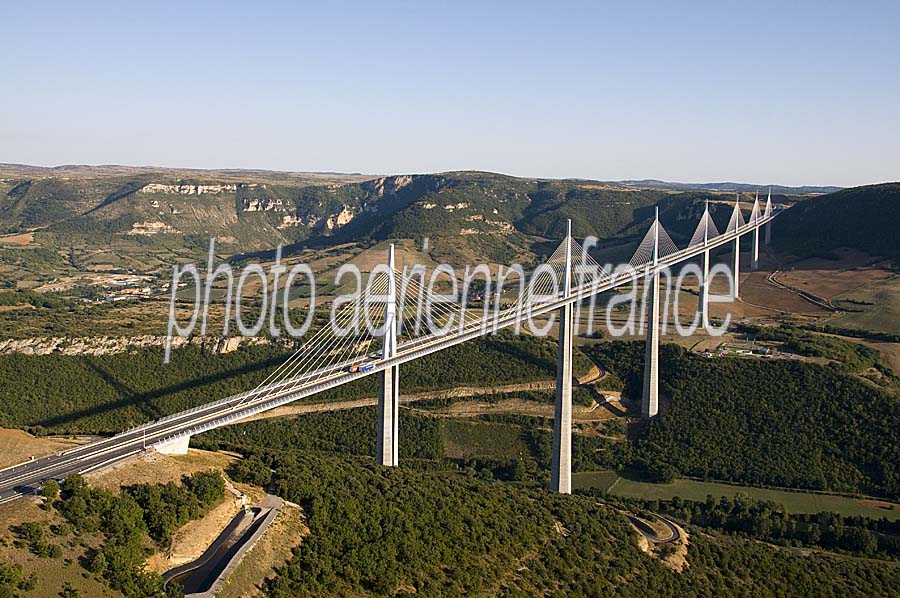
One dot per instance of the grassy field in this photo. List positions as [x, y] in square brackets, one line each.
[464, 439]
[594, 479]
[890, 353]
[17, 446]
[793, 502]
[883, 315]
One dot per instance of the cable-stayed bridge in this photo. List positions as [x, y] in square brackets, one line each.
[378, 330]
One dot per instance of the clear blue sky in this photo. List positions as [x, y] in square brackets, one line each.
[782, 92]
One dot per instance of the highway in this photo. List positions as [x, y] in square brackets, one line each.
[27, 477]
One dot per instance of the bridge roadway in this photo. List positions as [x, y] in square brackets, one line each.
[27, 477]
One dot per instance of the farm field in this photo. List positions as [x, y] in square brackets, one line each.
[793, 502]
[758, 291]
[879, 307]
[831, 279]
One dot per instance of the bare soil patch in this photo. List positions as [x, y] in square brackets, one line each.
[154, 468]
[879, 504]
[20, 239]
[17, 446]
[192, 539]
[677, 560]
[757, 289]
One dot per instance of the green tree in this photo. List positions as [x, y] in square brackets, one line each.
[50, 490]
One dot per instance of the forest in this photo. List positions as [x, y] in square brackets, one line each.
[778, 423]
[374, 532]
[109, 393]
[820, 225]
[321, 462]
[769, 423]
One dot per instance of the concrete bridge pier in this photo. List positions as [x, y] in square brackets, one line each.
[704, 280]
[650, 394]
[737, 267]
[387, 453]
[704, 291]
[561, 461]
[561, 465]
[754, 256]
[388, 417]
[175, 446]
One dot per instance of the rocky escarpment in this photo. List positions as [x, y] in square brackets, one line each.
[387, 185]
[105, 345]
[187, 189]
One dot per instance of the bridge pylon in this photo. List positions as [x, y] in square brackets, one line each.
[650, 394]
[737, 219]
[766, 214]
[561, 461]
[704, 291]
[754, 256]
[389, 378]
[754, 251]
[704, 281]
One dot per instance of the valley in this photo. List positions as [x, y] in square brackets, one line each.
[444, 300]
[474, 418]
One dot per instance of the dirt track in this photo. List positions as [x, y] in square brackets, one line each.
[461, 391]
[465, 409]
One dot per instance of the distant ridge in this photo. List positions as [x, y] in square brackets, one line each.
[230, 174]
[726, 186]
[25, 170]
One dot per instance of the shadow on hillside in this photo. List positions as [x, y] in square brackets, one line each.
[522, 354]
[143, 400]
[120, 387]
